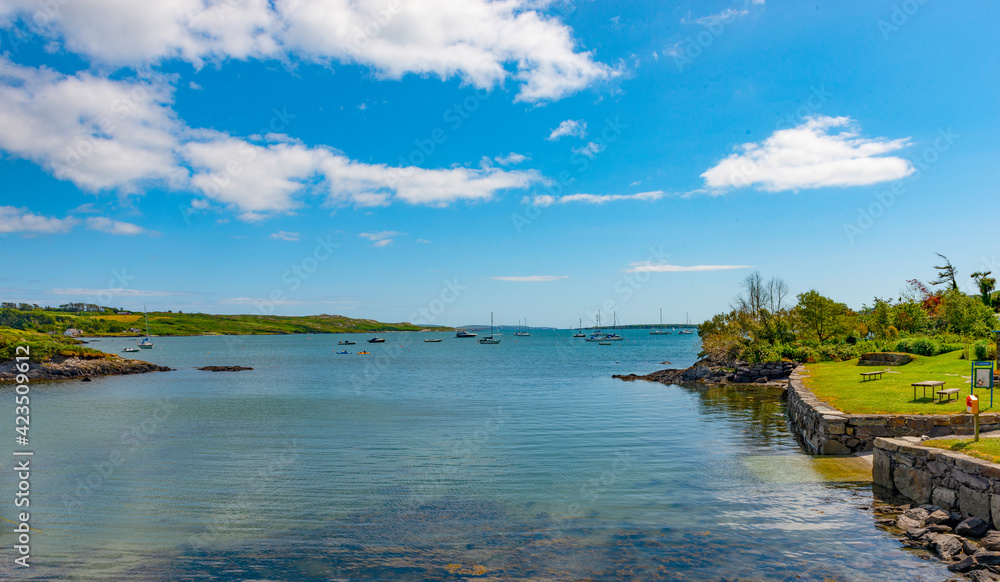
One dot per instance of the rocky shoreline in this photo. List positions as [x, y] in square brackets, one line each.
[62, 368]
[962, 541]
[712, 372]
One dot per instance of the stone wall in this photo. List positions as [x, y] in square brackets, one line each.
[947, 479]
[828, 431]
[761, 373]
[884, 359]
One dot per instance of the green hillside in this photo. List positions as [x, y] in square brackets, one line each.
[108, 322]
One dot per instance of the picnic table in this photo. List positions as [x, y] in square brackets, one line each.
[865, 376]
[925, 385]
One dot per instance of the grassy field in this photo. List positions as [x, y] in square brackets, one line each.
[987, 449]
[840, 385]
[167, 323]
[42, 346]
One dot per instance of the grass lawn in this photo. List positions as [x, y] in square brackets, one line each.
[839, 384]
[987, 449]
[42, 346]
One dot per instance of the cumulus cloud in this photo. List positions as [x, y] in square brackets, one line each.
[590, 150]
[381, 239]
[573, 127]
[821, 152]
[651, 267]
[548, 200]
[285, 235]
[481, 42]
[13, 219]
[109, 226]
[531, 278]
[511, 158]
[97, 133]
[105, 134]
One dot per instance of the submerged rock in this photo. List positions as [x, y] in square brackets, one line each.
[224, 368]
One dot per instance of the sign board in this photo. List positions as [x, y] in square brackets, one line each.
[982, 377]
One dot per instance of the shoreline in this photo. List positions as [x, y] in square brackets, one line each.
[76, 368]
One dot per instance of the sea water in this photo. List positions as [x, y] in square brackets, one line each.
[433, 461]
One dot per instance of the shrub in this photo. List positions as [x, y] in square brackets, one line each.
[982, 350]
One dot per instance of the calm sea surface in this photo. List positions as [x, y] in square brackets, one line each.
[432, 461]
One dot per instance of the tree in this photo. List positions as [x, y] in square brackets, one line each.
[986, 286]
[821, 317]
[946, 274]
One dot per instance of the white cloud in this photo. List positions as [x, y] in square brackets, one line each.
[811, 156]
[285, 235]
[573, 127]
[480, 41]
[547, 200]
[511, 158]
[590, 150]
[109, 226]
[650, 267]
[104, 134]
[725, 16]
[97, 133]
[381, 239]
[531, 278]
[13, 219]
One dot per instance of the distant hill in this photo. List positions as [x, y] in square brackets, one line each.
[112, 323]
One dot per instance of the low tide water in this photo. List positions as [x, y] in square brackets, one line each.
[433, 461]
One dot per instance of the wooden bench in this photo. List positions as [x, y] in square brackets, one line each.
[865, 376]
[942, 393]
[925, 385]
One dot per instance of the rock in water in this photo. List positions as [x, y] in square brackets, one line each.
[972, 527]
[946, 546]
[964, 565]
[224, 368]
[917, 513]
[905, 523]
[983, 576]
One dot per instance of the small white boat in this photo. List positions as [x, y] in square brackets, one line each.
[463, 333]
[131, 350]
[523, 331]
[659, 330]
[604, 343]
[145, 343]
[432, 340]
[579, 331]
[346, 343]
[490, 339]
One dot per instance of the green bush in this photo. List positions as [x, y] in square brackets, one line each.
[921, 346]
[982, 351]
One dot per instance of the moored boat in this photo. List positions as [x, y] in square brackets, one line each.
[432, 340]
[490, 339]
[377, 340]
[463, 333]
[346, 343]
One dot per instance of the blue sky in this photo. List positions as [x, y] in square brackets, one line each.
[439, 160]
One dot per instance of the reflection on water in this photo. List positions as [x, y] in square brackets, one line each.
[438, 462]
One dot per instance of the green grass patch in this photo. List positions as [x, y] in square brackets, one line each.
[987, 449]
[839, 384]
[42, 347]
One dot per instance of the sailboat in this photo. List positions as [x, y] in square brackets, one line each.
[660, 330]
[686, 331]
[145, 343]
[490, 339]
[524, 330]
[579, 332]
[599, 336]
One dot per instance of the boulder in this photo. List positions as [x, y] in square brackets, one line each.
[905, 523]
[987, 558]
[991, 541]
[937, 517]
[916, 533]
[972, 527]
[975, 503]
[918, 513]
[983, 576]
[946, 546]
[964, 565]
